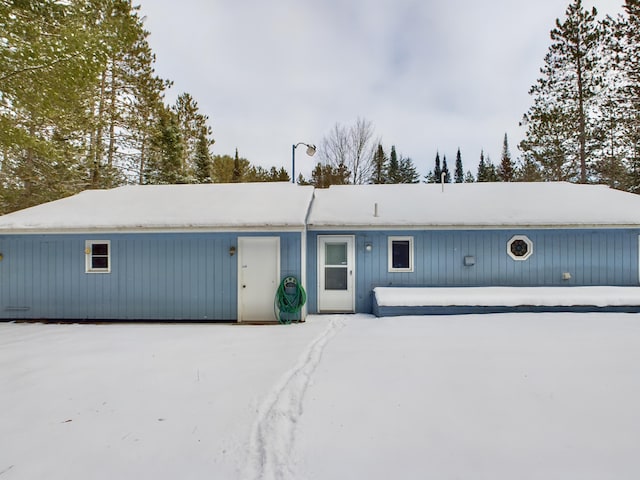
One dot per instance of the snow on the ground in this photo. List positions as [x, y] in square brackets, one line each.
[600, 296]
[526, 396]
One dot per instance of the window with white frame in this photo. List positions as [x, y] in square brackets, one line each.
[520, 247]
[97, 256]
[400, 254]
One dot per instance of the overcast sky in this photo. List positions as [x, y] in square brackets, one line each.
[430, 76]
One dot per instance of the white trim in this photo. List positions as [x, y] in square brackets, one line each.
[311, 228]
[107, 231]
[407, 227]
[526, 240]
[390, 241]
[88, 256]
[351, 254]
[638, 258]
[303, 271]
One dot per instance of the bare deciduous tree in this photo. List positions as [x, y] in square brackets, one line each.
[351, 146]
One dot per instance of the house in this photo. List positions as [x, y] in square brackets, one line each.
[463, 235]
[219, 252]
[165, 252]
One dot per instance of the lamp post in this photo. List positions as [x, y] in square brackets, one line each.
[311, 150]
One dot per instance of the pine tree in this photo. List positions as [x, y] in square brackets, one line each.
[506, 170]
[192, 125]
[482, 168]
[165, 166]
[459, 174]
[202, 167]
[445, 170]
[530, 171]
[408, 172]
[237, 173]
[379, 166]
[624, 111]
[393, 170]
[435, 175]
[468, 177]
[325, 175]
[223, 167]
[560, 132]
[486, 170]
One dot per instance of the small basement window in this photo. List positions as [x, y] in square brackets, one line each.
[400, 254]
[520, 247]
[97, 256]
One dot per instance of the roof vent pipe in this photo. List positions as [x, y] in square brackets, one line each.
[375, 209]
[442, 175]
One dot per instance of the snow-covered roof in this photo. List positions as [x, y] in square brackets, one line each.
[169, 207]
[470, 205]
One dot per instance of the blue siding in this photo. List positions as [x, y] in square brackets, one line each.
[188, 276]
[592, 257]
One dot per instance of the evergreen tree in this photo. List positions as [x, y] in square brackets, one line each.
[435, 175]
[237, 172]
[468, 177]
[393, 170]
[202, 167]
[379, 166]
[459, 174]
[193, 125]
[486, 170]
[560, 132]
[445, 170]
[326, 175]
[408, 172]
[80, 105]
[482, 168]
[622, 112]
[506, 170]
[530, 171]
[165, 166]
[224, 165]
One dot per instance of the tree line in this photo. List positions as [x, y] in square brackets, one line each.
[583, 125]
[356, 148]
[82, 107]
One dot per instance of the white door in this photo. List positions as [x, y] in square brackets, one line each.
[336, 265]
[258, 277]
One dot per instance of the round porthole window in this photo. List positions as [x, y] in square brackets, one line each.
[520, 247]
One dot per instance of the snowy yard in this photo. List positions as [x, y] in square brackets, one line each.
[510, 396]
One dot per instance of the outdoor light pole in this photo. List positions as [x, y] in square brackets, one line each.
[311, 150]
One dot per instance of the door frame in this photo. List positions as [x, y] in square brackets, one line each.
[242, 245]
[351, 278]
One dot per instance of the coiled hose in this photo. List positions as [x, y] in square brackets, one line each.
[290, 298]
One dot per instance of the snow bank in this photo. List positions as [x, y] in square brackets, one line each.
[506, 296]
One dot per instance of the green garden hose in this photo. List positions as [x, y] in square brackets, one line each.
[290, 298]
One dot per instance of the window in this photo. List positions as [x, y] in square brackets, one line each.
[97, 256]
[400, 254]
[519, 247]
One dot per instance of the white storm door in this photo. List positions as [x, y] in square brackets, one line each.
[336, 265]
[258, 277]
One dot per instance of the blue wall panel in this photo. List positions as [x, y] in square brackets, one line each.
[592, 257]
[174, 276]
